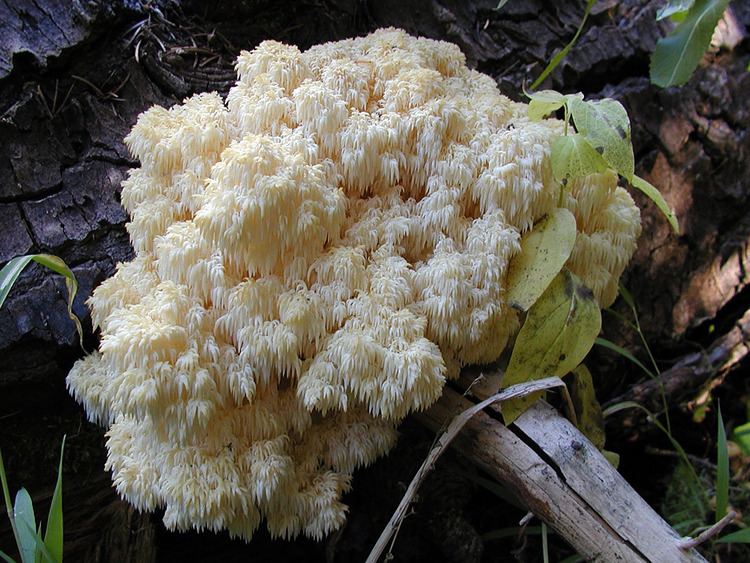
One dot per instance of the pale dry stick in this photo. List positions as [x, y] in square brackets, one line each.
[520, 390]
[526, 519]
[715, 530]
[595, 511]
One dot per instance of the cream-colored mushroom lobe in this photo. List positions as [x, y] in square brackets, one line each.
[315, 255]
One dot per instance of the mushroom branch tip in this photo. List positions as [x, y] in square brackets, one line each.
[315, 255]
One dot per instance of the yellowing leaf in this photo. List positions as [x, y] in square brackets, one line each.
[558, 333]
[606, 126]
[654, 195]
[543, 103]
[573, 157]
[588, 410]
[544, 251]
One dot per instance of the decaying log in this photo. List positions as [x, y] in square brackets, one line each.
[684, 379]
[565, 481]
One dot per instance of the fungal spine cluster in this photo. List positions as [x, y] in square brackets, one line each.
[315, 255]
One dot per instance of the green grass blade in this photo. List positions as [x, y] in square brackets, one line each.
[59, 266]
[722, 470]
[40, 550]
[603, 342]
[741, 435]
[612, 409]
[23, 512]
[10, 272]
[654, 195]
[545, 546]
[53, 536]
[560, 55]
[6, 499]
[627, 296]
[740, 536]
[677, 55]
[7, 558]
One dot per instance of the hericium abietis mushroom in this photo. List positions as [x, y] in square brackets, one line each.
[315, 255]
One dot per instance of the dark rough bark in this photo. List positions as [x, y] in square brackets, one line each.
[73, 79]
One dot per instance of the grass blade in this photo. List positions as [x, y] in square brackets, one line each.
[7, 558]
[654, 195]
[740, 536]
[40, 550]
[627, 296]
[10, 272]
[6, 499]
[612, 409]
[23, 512]
[603, 342]
[562, 53]
[59, 266]
[53, 536]
[722, 470]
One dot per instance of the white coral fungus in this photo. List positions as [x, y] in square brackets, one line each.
[314, 257]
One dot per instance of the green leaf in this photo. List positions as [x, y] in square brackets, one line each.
[6, 499]
[741, 435]
[6, 492]
[674, 7]
[573, 156]
[7, 558]
[654, 195]
[41, 551]
[625, 354]
[543, 103]
[626, 296]
[53, 536]
[722, 470]
[588, 411]
[500, 4]
[605, 124]
[562, 53]
[612, 457]
[544, 251]
[558, 333]
[10, 272]
[740, 536]
[23, 512]
[677, 55]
